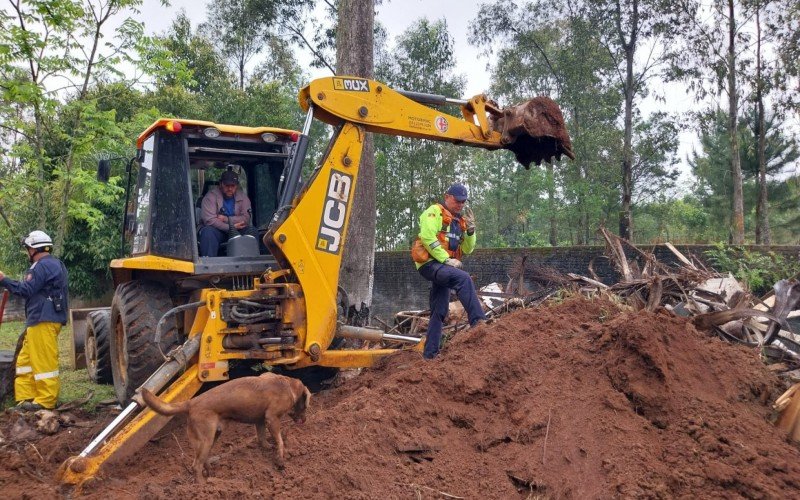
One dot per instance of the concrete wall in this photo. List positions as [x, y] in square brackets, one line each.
[399, 287]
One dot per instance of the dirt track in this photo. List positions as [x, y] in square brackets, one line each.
[576, 400]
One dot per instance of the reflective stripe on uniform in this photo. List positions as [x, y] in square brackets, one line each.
[42, 376]
[22, 370]
[435, 244]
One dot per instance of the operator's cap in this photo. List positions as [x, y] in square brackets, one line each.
[459, 191]
[229, 177]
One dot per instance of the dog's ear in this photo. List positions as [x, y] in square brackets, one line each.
[302, 397]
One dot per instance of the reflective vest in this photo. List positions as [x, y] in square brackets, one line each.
[444, 234]
[421, 255]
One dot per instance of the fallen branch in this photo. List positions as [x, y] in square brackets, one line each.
[680, 256]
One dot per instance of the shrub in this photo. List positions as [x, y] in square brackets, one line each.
[759, 271]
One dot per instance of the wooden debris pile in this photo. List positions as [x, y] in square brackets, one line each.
[715, 302]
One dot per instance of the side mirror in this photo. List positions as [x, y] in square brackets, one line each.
[103, 170]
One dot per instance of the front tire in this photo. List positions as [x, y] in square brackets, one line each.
[96, 347]
[135, 311]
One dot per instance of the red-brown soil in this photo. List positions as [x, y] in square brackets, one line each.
[576, 400]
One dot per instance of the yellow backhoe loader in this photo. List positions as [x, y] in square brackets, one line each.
[178, 320]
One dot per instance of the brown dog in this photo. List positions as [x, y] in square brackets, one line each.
[259, 400]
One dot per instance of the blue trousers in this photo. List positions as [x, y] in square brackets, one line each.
[210, 238]
[444, 278]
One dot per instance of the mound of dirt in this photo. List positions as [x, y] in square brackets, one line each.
[574, 400]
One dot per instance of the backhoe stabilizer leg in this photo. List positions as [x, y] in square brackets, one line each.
[132, 436]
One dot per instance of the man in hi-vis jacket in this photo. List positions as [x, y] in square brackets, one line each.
[446, 232]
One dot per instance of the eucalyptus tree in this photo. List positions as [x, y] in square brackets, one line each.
[771, 82]
[414, 173]
[556, 52]
[245, 28]
[355, 56]
[628, 29]
[712, 62]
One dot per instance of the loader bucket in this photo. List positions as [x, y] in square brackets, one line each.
[534, 131]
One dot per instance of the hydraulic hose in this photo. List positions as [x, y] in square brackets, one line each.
[163, 321]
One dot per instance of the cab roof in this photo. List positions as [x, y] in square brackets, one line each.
[231, 129]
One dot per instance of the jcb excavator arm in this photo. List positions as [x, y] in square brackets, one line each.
[533, 130]
[310, 239]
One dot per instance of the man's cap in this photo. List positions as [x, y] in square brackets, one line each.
[229, 177]
[459, 191]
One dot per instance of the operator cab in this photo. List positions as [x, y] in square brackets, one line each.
[178, 162]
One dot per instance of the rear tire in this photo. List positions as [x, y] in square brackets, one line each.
[135, 311]
[96, 347]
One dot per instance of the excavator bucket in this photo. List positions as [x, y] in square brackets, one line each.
[534, 131]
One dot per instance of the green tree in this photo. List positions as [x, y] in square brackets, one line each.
[711, 165]
[245, 28]
[555, 52]
[710, 62]
[413, 173]
[624, 29]
[53, 53]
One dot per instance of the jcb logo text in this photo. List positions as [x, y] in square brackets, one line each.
[334, 212]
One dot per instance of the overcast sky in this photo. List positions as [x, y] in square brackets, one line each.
[395, 15]
[398, 15]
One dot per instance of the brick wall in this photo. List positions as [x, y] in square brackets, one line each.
[399, 287]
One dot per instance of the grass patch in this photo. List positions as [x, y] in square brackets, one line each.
[75, 384]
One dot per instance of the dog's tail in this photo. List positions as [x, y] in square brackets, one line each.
[162, 407]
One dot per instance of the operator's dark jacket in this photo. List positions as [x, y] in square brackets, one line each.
[45, 281]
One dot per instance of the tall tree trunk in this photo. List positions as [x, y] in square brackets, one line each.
[354, 56]
[763, 236]
[583, 216]
[41, 212]
[737, 212]
[241, 71]
[551, 204]
[625, 219]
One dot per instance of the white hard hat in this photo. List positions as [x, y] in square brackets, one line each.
[37, 239]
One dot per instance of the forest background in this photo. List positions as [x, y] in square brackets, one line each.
[79, 80]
